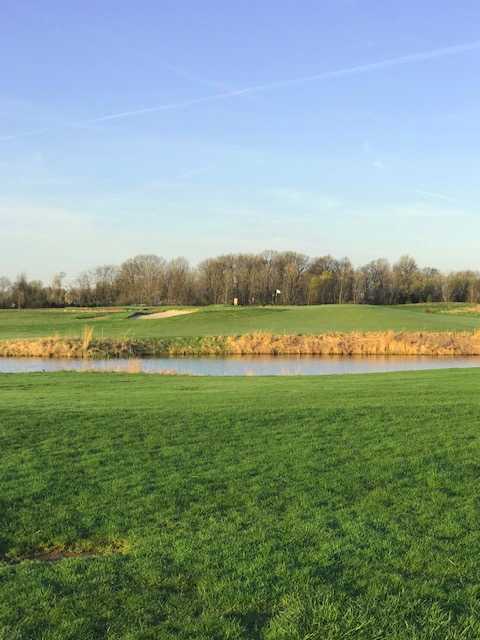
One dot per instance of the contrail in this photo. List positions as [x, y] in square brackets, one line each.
[258, 88]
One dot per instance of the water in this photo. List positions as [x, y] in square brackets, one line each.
[244, 365]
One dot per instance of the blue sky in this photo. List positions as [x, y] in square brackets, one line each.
[233, 131]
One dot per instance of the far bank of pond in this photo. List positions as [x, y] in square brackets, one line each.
[383, 343]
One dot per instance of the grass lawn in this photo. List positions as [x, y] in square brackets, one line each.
[219, 320]
[245, 508]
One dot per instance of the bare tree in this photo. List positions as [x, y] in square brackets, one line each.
[142, 280]
[179, 281]
[56, 292]
[378, 282]
[5, 292]
[251, 278]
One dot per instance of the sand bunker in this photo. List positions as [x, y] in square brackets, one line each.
[166, 314]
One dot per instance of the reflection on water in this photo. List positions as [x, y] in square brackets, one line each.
[243, 365]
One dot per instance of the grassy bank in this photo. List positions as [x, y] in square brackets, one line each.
[386, 343]
[144, 507]
[230, 321]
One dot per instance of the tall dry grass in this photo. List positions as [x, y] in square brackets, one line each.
[357, 344]
[387, 343]
[52, 347]
[87, 337]
[85, 347]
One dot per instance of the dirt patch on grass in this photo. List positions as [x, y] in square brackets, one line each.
[165, 314]
[57, 554]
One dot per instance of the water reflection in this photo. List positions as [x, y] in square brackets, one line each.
[243, 365]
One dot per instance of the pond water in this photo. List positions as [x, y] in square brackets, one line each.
[243, 365]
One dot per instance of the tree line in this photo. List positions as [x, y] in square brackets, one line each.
[271, 277]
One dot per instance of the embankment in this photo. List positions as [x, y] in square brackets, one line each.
[328, 344]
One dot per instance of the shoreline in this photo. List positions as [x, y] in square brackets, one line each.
[375, 343]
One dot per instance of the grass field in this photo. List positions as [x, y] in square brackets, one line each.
[210, 321]
[281, 509]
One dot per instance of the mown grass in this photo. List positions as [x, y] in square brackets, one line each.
[245, 508]
[219, 320]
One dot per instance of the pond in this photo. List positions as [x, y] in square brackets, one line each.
[243, 365]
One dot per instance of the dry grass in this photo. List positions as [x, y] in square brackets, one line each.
[53, 347]
[85, 347]
[474, 308]
[134, 366]
[87, 337]
[385, 343]
[358, 344]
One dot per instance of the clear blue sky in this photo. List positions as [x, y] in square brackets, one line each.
[375, 161]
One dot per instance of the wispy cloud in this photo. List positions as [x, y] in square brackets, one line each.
[178, 180]
[303, 198]
[259, 88]
[50, 231]
[436, 195]
[422, 210]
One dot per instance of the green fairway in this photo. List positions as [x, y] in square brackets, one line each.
[208, 321]
[245, 508]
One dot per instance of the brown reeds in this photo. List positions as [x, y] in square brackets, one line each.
[357, 344]
[385, 343]
[53, 347]
[87, 337]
